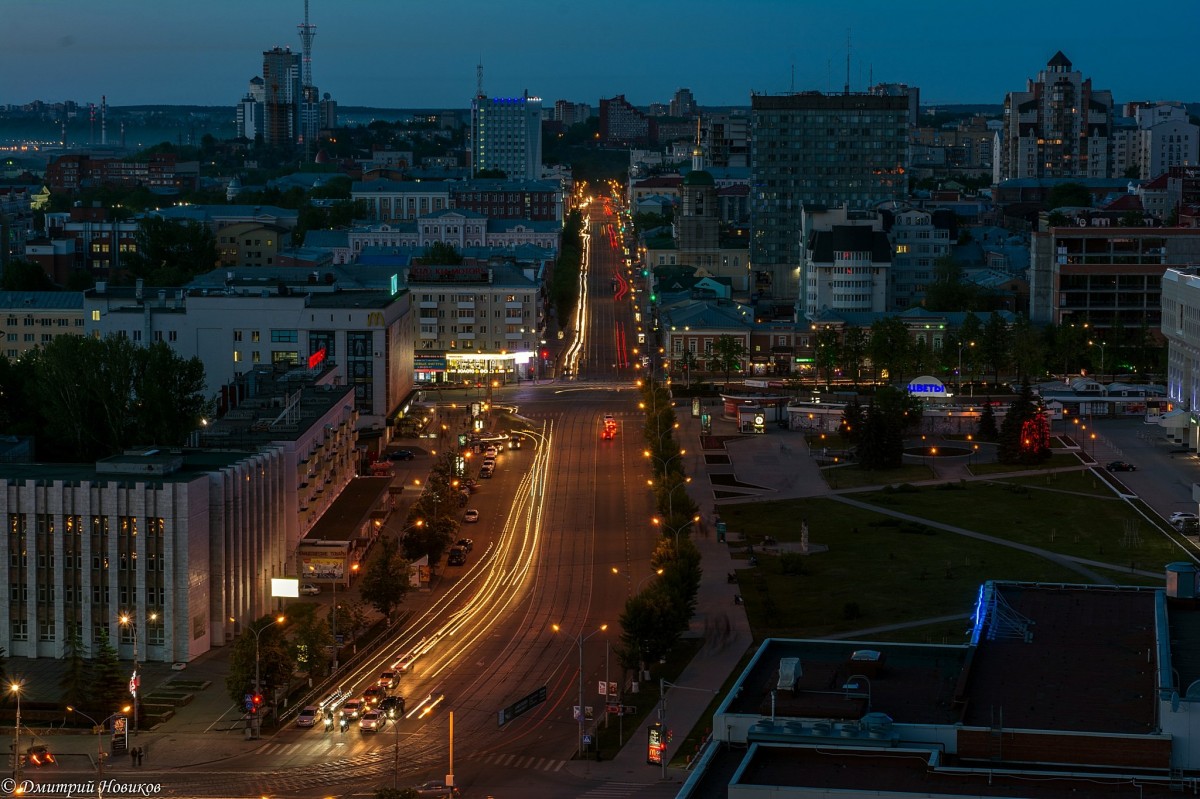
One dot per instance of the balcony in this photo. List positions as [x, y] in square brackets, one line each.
[427, 320]
[466, 336]
[514, 305]
[467, 306]
[465, 320]
[427, 304]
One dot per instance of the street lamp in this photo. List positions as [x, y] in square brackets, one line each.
[99, 727]
[961, 346]
[258, 640]
[582, 639]
[15, 688]
[674, 531]
[135, 682]
[1102, 345]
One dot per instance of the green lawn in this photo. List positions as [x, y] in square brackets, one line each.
[1059, 460]
[1104, 529]
[871, 576]
[855, 477]
[1080, 482]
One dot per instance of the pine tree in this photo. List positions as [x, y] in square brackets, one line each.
[987, 424]
[76, 681]
[109, 687]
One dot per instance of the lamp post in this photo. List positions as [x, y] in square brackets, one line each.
[15, 688]
[662, 715]
[99, 726]
[1102, 345]
[135, 682]
[258, 640]
[961, 346]
[582, 639]
[674, 531]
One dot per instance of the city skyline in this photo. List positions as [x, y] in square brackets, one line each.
[134, 54]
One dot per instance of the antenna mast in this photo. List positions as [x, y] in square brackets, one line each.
[479, 79]
[847, 60]
[307, 33]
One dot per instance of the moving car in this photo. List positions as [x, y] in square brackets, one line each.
[308, 716]
[489, 463]
[372, 721]
[373, 695]
[1121, 466]
[457, 556]
[309, 589]
[352, 709]
[490, 452]
[471, 515]
[486, 473]
[466, 543]
[388, 679]
[392, 707]
[401, 455]
[39, 756]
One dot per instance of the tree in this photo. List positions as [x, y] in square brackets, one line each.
[890, 347]
[995, 345]
[351, 617]
[727, 354]
[854, 416]
[21, 275]
[688, 362]
[948, 292]
[1024, 433]
[987, 424]
[386, 580]
[649, 627]
[264, 638]
[171, 253]
[110, 685]
[169, 393]
[1028, 351]
[76, 682]
[311, 638]
[854, 349]
[891, 412]
[827, 352]
[1068, 195]
[442, 254]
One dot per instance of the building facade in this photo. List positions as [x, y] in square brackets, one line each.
[813, 149]
[33, 319]
[506, 135]
[281, 96]
[1059, 127]
[917, 245]
[847, 262]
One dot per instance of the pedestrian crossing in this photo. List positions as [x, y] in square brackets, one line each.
[526, 762]
[280, 749]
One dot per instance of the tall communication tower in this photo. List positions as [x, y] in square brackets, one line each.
[307, 33]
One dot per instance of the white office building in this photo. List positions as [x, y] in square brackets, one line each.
[506, 135]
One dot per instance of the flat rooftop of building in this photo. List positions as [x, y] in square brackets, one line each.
[899, 772]
[266, 416]
[344, 518]
[1083, 666]
[158, 467]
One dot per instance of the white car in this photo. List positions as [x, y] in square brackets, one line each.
[308, 589]
[490, 452]
[308, 716]
[352, 709]
[372, 721]
[1182, 517]
[471, 515]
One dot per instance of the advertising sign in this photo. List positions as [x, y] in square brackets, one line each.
[654, 745]
[429, 363]
[322, 568]
[285, 586]
[926, 386]
[120, 734]
[695, 407]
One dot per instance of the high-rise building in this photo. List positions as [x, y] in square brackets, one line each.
[683, 104]
[621, 123]
[727, 139]
[1059, 127]
[281, 96]
[506, 135]
[250, 110]
[824, 150]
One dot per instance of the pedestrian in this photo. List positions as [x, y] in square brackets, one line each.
[140, 753]
[133, 756]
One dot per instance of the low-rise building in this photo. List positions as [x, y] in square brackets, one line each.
[31, 319]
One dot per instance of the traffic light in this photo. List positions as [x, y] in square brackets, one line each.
[255, 703]
[545, 354]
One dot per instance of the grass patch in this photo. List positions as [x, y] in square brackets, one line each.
[1059, 522]
[856, 477]
[1083, 481]
[877, 571]
[947, 632]
[1059, 460]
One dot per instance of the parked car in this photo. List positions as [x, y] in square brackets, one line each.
[489, 463]
[307, 716]
[1121, 466]
[466, 543]
[401, 455]
[486, 473]
[490, 452]
[309, 589]
[471, 515]
[457, 556]
[1179, 516]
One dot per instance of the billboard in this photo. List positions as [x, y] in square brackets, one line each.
[654, 744]
[323, 568]
[285, 586]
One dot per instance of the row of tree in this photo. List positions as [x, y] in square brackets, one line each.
[983, 347]
[88, 398]
[564, 282]
[656, 617]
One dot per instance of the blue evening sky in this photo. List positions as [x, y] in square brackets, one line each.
[420, 53]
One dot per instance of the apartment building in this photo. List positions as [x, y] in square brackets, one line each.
[812, 149]
[32, 319]
[1059, 127]
[476, 320]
